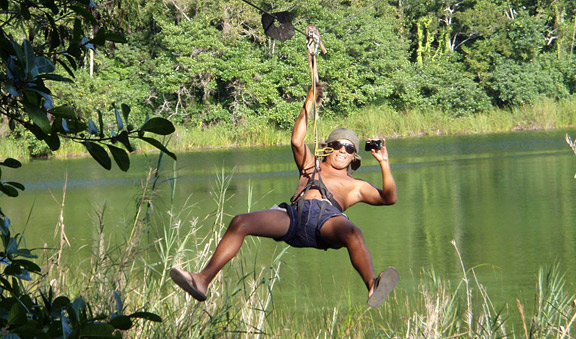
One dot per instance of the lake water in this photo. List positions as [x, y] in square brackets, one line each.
[508, 200]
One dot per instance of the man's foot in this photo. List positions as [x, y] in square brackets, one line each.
[186, 281]
[383, 285]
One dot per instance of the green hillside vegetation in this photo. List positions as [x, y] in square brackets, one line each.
[209, 68]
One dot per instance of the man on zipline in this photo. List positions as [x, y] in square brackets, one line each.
[314, 218]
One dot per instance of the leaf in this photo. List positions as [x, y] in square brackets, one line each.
[158, 126]
[121, 157]
[121, 322]
[123, 138]
[100, 37]
[6, 222]
[147, 316]
[85, 13]
[92, 129]
[12, 163]
[99, 154]
[38, 133]
[15, 184]
[54, 37]
[125, 111]
[101, 124]
[5, 283]
[50, 4]
[44, 65]
[24, 275]
[76, 126]
[159, 146]
[78, 305]
[31, 68]
[85, 42]
[12, 246]
[68, 69]
[28, 265]
[60, 302]
[65, 112]
[17, 315]
[55, 77]
[53, 141]
[48, 101]
[28, 330]
[25, 11]
[116, 37]
[26, 253]
[18, 51]
[8, 190]
[119, 303]
[119, 122]
[38, 116]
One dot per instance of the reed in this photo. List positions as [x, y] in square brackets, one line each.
[554, 309]
[380, 121]
[137, 269]
[241, 302]
[9, 148]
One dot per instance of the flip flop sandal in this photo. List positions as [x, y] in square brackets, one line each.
[187, 283]
[383, 285]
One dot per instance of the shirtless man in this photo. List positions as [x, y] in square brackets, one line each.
[315, 218]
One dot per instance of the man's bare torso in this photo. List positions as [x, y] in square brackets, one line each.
[343, 187]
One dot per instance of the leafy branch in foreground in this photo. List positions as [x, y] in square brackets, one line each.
[27, 67]
[55, 32]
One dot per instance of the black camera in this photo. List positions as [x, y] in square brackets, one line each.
[373, 144]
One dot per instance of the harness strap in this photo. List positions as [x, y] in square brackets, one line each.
[298, 198]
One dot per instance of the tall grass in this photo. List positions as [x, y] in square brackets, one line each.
[137, 268]
[241, 304]
[379, 121]
[386, 122]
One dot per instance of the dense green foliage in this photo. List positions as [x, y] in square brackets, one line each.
[35, 37]
[198, 62]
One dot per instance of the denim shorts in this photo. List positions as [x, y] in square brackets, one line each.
[306, 231]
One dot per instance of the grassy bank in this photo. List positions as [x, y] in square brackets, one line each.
[241, 304]
[389, 123]
[372, 122]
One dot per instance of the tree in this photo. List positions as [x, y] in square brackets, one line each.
[56, 33]
[35, 37]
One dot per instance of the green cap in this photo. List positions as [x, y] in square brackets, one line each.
[348, 134]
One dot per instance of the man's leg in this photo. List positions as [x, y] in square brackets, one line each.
[341, 231]
[268, 223]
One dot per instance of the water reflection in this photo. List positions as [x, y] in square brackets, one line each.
[509, 201]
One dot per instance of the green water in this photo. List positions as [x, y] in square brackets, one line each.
[508, 200]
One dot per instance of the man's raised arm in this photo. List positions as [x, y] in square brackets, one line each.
[302, 155]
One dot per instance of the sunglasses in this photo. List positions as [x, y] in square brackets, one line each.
[336, 145]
